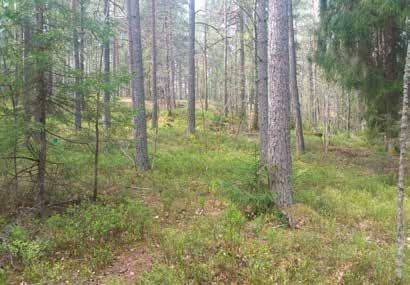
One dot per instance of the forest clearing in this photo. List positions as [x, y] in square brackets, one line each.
[204, 142]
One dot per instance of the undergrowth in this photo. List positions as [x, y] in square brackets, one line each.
[215, 220]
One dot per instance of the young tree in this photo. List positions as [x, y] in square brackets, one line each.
[402, 162]
[191, 62]
[279, 156]
[137, 84]
[300, 143]
[262, 73]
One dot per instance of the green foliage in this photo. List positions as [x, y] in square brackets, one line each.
[22, 249]
[86, 227]
[361, 46]
[162, 274]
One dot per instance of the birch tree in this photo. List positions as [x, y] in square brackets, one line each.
[402, 162]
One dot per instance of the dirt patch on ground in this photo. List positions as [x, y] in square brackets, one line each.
[127, 267]
[350, 152]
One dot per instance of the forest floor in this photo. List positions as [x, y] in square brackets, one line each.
[203, 215]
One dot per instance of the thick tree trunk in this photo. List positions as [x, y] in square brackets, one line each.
[294, 92]
[262, 77]
[154, 66]
[279, 157]
[402, 163]
[225, 106]
[137, 84]
[107, 89]
[242, 64]
[191, 81]
[40, 108]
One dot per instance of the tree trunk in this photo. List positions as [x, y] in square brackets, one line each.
[225, 106]
[358, 111]
[40, 107]
[279, 156]
[300, 143]
[78, 97]
[242, 64]
[206, 57]
[327, 120]
[106, 45]
[262, 79]
[255, 121]
[27, 79]
[402, 163]
[349, 111]
[137, 84]
[154, 66]
[191, 81]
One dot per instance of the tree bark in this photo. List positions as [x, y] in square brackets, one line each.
[225, 106]
[279, 104]
[358, 111]
[262, 77]
[137, 84]
[106, 45]
[255, 121]
[191, 81]
[242, 64]
[76, 44]
[300, 143]
[402, 163]
[154, 66]
[206, 57]
[40, 107]
[27, 79]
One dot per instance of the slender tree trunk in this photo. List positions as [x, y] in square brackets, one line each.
[349, 111]
[137, 84]
[242, 64]
[167, 64]
[402, 163]
[327, 120]
[27, 79]
[82, 53]
[206, 57]
[280, 163]
[358, 111]
[78, 97]
[311, 87]
[154, 66]
[191, 81]
[226, 107]
[255, 121]
[40, 108]
[107, 89]
[262, 79]
[300, 143]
